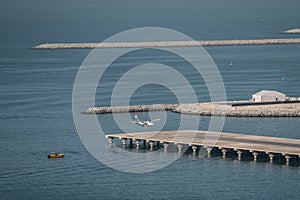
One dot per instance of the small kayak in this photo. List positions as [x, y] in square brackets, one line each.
[56, 155]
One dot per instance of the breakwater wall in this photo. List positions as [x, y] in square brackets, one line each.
[293, 31]
[251, 103]
[208, 109]
[167, 44]
[134, 108]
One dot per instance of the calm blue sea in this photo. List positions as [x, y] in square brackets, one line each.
[36, 97]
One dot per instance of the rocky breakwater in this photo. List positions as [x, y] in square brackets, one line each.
[167, 44]
[133, 108]
[271, 110]
[293, 31]
[215, 109]
[208, 109]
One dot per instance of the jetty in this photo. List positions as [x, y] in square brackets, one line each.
[258, 147]
[233, 109]
[293, 31]
[167, 44]
[132, 108]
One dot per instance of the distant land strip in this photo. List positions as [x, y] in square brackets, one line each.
[167, 44]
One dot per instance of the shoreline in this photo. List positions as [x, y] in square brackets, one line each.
[209, 109]
[166, 44]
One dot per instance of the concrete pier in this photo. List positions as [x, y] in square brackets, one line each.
[287, 159]
[165, 145]
[271, 157]
[179, 146]
[255, 154]
[151, 144]
[239, 153]
[124, 141]
[138, 143]
[224, 152]
[194, 148]
[283, 148]
[208, 152]
[110, 140]
[168, 44]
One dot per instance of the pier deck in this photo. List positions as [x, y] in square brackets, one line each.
[238, 142]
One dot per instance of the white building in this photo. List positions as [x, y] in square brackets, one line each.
[268, 96]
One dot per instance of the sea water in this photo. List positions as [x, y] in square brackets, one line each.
[36, 98]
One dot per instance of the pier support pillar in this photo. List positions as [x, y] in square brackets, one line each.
[194, 149]
[110, 140]
[151, 144]
[239, 153]
[255, 154]
[224, 151]
[179, 146]
[124, 140]
[287, 159]
[165, 146]
[137, 142]
[271, 157]
[208, 152]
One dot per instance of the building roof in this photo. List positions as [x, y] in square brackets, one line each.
[268, 92]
